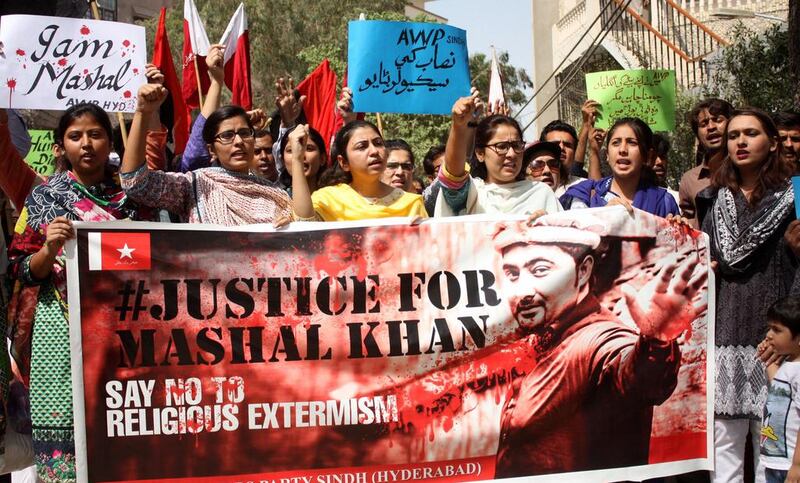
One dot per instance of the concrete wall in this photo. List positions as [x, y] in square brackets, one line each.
[545, 16]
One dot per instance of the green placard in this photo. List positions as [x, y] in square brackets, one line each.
[40, 157]
[646, 94]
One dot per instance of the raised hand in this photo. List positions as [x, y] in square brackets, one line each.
[467, 108]
[345, 105]
[214, 62]
[596, 137]
[150, 97]
[589, 112]
[258, 119]
[289, 107]
[667, 305]
[154, 76]
[298, 139]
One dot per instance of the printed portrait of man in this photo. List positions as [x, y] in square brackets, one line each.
[587, 400]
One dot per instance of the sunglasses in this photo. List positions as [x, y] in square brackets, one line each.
[538, 165]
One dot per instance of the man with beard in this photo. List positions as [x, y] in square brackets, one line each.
[708, 119]
[788, 124]
[586, 398]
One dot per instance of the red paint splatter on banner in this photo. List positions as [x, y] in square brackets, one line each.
[85, 71]
[20, 52]
[85, 30]
[232, 388]
[62, 61]
[126, 94]
[135, 71]
[176, 392]
[126, 43]
[338, 256]
[123, 54]
[12, 84]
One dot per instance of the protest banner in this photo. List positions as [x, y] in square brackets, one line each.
[40, 155]
[55, 62]
[406, 67]
[646, 94]
[376, 351]
[796, 187]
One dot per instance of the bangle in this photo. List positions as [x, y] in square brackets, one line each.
[452, 177]
[296, 217]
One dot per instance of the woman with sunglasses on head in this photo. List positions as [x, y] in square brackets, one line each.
[543, 162]
[354, 190]
[497, 184]
[630, 148]
[227, 194]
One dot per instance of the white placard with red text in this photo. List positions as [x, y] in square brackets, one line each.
[56, 62]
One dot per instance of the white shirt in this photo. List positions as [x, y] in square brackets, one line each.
[781, 418]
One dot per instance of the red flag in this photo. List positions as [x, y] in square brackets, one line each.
[195, 45]
[119, 251]
[320, 105]
[237, 59]
[162, 58]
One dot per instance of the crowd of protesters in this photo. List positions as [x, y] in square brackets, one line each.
[239, 169]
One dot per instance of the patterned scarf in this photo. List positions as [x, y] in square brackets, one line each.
[233, 199]
[734, 246]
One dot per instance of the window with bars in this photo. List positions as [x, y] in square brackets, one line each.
[107, 9]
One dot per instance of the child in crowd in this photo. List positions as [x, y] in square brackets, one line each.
[781, 420]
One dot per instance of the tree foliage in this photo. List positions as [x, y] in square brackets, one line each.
[291, 38]
[754, 70]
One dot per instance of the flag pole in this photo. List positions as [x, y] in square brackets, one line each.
[380, 123]
[199, 85]
[120, 119]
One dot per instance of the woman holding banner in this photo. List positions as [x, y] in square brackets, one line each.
[358, 192]
[497, 184]
[224, 195]
[749, 222]
[630, 145]
[87, 190]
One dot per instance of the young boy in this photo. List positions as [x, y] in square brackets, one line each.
[782, 412]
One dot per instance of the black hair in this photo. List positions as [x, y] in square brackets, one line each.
[336, 174]
[716, 107]
[399, 145]
[661, 145]
[427, 162]
[787, 120]
[286, 176]
[786, 311]
[222, 114]
[774, 170]
[262, 133]
[559, 125]
[644, 135]
[483, 134]
[70, 116]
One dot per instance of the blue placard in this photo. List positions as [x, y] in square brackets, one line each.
[406, 67]
[796, 186]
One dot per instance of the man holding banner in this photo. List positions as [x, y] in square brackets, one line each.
[592, 376]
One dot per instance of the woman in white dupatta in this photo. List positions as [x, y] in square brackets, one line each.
[497, 184]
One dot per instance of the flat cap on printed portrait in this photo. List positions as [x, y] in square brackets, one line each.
[576, 227]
